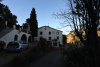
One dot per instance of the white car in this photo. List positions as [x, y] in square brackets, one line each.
[16, 46]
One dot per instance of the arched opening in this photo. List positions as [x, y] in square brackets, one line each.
[29, 39]
[16, 37]
[24, 38]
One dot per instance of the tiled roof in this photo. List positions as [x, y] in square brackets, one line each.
[49, 27]
[5, 31]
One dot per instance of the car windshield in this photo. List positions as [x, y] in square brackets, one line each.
[13, 43]
[22, 42]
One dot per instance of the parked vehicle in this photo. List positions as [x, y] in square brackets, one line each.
[2, 45]
[17, 46]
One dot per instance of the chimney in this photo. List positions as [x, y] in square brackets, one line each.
[19, 29]
[22, 27]
[6, 24]
[28, 27]
[14, 26]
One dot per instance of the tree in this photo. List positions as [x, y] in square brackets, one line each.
[28, 20]
[1, 0]
[64, 39]
[32, 21]
[18, 26]
[85, 15]
[42, 45]
[25, 25]
[76, 40]
[6, 15]
[72, 38]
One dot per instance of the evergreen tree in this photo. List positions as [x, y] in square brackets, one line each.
[25, 25]
[17, 26]
[6, 15]
[33, 23]
[28, 20]
[1, 0]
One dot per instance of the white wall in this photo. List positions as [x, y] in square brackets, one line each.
[45, 33]
[10, 36]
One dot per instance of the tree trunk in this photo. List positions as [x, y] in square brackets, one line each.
[92, 46]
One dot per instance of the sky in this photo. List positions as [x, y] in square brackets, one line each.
[44, 10]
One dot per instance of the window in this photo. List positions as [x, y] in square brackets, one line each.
[13, 43]
[57, 32]
[49, 33]
[41, 33]
[45, 28]
[57, 37]
[49, 38]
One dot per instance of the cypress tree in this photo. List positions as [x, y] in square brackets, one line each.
[33, 23]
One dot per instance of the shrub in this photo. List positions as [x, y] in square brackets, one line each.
[81, 57]
[42, 45]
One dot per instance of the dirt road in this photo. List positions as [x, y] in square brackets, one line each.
[52, 59]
